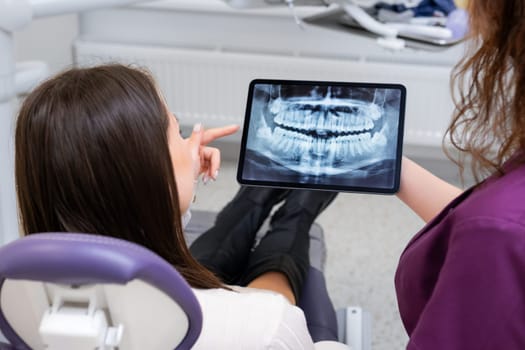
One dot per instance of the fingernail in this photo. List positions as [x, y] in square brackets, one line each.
[197, 127]
[215, 174]
[205, 179]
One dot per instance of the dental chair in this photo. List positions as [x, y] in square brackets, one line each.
[82, 291]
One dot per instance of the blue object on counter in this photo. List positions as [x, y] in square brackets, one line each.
[426, 8]
[458, 23]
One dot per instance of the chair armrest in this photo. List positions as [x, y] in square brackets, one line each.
[318, 308]
[331, 345]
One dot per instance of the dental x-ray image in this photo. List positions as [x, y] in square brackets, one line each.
[322, 135]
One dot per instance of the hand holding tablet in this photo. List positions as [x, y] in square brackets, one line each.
[321, 135]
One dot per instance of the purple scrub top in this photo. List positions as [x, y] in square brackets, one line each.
[460, 282]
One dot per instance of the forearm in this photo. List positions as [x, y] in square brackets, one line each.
[425, 193]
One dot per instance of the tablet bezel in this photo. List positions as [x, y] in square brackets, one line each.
[325, 187]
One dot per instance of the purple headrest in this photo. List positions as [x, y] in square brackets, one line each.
[75, 258]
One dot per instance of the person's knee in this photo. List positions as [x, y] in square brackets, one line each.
[275, 281]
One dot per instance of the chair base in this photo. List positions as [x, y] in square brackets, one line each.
[354, 327]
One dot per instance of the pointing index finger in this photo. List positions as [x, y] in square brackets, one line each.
[216, 133]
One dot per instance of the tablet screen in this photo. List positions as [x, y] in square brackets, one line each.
[336, 136]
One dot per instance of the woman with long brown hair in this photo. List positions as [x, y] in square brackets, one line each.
[461, 281]
[98, 152]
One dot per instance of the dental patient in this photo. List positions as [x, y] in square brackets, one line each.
[98, 152]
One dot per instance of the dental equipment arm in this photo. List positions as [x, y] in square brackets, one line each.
[353, 8]
[388, 34]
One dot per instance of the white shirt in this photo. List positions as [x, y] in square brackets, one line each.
[250, 319]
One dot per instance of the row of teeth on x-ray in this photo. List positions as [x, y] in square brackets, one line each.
[336, 125]
[334, 129]
[296, 145]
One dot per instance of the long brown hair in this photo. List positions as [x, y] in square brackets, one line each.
[488, 126]
[92, 156]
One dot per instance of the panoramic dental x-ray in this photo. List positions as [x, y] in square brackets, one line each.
[325, 135]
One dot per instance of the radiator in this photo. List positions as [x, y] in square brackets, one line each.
[210, 85]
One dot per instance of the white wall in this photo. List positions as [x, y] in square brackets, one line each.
[49, 40]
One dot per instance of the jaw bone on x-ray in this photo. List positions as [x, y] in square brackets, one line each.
[333, 135]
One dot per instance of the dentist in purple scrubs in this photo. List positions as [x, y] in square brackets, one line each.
[460, 282]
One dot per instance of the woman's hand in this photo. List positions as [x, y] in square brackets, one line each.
[208, 158]
[216, 133]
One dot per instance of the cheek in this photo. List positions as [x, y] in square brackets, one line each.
[185, 192]
[185, 170]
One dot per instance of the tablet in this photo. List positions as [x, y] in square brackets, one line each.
[337, 136]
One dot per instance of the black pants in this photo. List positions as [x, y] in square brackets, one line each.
[228, 249]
